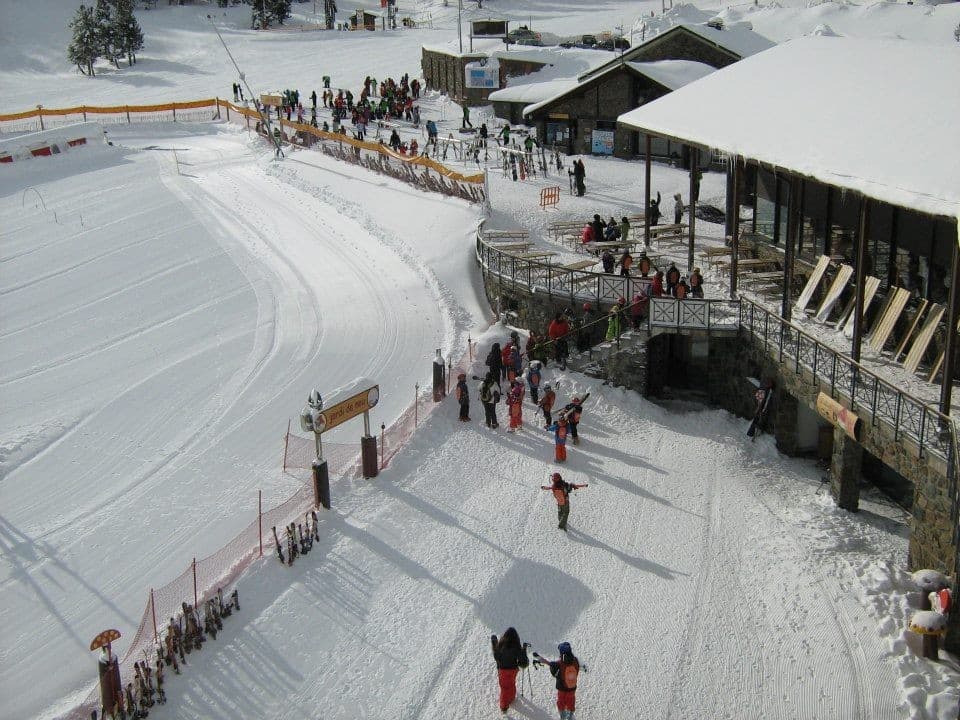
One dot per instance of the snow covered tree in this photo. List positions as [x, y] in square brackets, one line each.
[127, 33]
[266, 12]
[106, 31]
[84, 48]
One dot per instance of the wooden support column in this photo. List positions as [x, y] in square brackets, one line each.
[646, 194]
[692, 221]
[893, 279]
[950, 348]
[735, 229]
[789, 247]
[777, 213]
[861, 274]
[828, 220]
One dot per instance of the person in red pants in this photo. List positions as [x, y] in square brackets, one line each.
[511, 656]
[566, 670]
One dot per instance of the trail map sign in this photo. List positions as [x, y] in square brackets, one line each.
[483, 76]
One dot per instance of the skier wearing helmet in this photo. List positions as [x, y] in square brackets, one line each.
[566, 670]
[558, 330]
[533, 380]
[561, 493]
[546, 405]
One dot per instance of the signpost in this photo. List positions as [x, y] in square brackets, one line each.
[109, 670]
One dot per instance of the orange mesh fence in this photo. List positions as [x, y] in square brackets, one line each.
[46, 118]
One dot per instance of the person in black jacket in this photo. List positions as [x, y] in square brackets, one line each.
[511, 656]
[653, 212]
[598, 227]
[494, 361]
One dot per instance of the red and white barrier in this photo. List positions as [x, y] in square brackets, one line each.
[50, 142]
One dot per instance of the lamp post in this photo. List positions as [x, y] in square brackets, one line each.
[313, 420]
[460, 23]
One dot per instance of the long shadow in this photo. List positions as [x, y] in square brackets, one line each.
[634, 562]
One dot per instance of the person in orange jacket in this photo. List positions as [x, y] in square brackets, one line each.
[515, 406]
[566, 670]
[546, 405]
[559, 429]
[561, 491]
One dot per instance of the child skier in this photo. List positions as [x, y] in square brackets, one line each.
[559, 429]
[566, 670]
[533, 379]
[515, 406]
[505, 360]
[561, 491]
[511, 656]
[463, 397]
[573, 410]
[546, 405]
[495, 362]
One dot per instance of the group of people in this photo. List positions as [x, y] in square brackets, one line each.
[510, 655]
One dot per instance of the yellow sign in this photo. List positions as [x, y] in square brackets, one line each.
[349, 408]
[270, 99]
[104, 638]
[840, 416]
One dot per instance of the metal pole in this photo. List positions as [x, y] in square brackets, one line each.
[460, 23]
[735, 228]
[286, 445]
[194, 582]
[416, 393]
[383, 429]
[949, 349]
[862, 232]
[153, 613]
[260, 519]
[694, 169]
[789, 250]
[646, 195]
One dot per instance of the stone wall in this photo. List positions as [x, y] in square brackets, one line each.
[446, 73]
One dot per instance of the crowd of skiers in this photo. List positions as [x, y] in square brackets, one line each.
[510, 655]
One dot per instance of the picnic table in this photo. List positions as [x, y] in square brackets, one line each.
[597, 247]
[749, 265]
[714, 254]
[511, 247]
[506, 235]
[579, 265]
[538, 255]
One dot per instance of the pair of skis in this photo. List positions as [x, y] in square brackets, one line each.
[300, 539]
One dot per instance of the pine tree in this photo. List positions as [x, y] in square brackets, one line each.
[104, 18]
[127, 33]
[279, 9]
[84, 48]
[265, 12]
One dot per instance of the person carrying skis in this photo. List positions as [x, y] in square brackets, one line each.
[566, 670]
[511, 657]
[489, 397]
[559, 430]
[533, 380]
[546, 405]
[573, 411]
[463, 397]
[763, 397]
[561, 492]
[494, 362]
[515, 405]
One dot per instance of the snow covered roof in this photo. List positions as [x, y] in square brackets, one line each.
[871, 115]
[669, 73]
[673, 74]
[739, 40]
[535, 92]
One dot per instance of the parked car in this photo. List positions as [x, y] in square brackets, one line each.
[613, 44]
[521, 33]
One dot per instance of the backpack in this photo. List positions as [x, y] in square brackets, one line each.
[486, 396]
[569, 672]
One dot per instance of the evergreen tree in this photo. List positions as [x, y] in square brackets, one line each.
[106, 31]
[279, 10]
[128, 36]
[84, 48]
[265, 12]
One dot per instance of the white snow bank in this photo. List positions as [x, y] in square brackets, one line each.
[63, 139]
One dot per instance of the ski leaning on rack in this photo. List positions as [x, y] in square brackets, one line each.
[279, 547]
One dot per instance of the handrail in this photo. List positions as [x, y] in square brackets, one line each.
[907, 416]
[602, 289]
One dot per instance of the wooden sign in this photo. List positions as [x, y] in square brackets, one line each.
[840, 416]
[104, 638]
[349, 408]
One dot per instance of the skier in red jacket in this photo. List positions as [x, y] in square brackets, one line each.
[558, 330]
[511, 656]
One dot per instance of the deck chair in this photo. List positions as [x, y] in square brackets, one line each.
[922, 341]
[819, 269]
[913, 326]
[936, 366]
[833, 294]
[870, 287]
[896, 302]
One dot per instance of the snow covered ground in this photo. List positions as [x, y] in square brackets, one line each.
[168, 303]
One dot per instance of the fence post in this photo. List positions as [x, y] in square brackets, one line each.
[383, 429]
[40, 115]
[174, 113]
[286, 444]
[153, 614]
[260, 519]
[416, 393]
[127, 107]
[194, 582]
[84, 110]
[218, 110]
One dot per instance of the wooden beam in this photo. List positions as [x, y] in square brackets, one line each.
[735, 227]
[862, 233]
[789, 247]
[949, 348]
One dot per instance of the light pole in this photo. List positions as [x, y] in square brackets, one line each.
[312, 420]
[460, 23]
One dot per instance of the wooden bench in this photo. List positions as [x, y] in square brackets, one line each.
[511, 247]
[539, 255]
[613, 245]
[492, 235]
[579, 265]
[713, 254]
[566, 227]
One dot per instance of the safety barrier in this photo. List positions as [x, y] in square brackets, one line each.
[419, 170]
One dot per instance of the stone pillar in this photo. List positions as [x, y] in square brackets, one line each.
[785, 422]
[845, 471]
